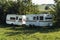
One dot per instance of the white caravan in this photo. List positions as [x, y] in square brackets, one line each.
[15, 19]
[30, 19]
[39, 19]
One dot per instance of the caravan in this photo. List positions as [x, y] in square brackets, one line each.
[15, 19]
[30, 19]
[39, 20]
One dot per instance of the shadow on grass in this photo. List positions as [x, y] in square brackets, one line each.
[31, 30]
[28, 30]
[12, 33]
[6, 25]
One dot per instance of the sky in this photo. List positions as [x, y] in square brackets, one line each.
[43, 2]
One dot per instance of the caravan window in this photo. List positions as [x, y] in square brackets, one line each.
[34, 18]
[37, 18]
[48, 18]
[20, 19]
[12, 18]
[41, 17]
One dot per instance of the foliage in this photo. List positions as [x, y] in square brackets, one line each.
[56, 11]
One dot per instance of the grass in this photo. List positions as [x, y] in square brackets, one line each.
[28, 33]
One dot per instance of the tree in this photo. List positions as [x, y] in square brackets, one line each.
[56, 9]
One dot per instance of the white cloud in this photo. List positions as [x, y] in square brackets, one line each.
[43, 1]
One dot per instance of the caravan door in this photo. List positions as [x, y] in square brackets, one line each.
[36, 20]
[41, 19]
[16, 21]
[23, 19]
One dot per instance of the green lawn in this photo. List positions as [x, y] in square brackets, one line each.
[26, 33]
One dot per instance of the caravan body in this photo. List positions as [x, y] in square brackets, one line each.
[15, 19]
[39, 20]
[31, 19]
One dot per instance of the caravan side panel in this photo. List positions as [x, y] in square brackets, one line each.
[8, 20]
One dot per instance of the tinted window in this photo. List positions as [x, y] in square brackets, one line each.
[12, 18]
[34, 18]
[37, 18]
[20, 18]
[41, 17]
[48, 18]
